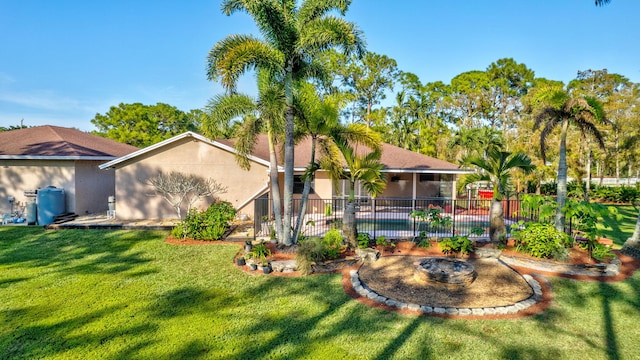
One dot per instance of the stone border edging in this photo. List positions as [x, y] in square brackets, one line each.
[364, 291]
[595, 271]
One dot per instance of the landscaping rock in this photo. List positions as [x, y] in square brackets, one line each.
[368, 255]
[488, 253]
[452, 311]
[426, 309]
[478, 312]
[391, 302]
[464, 312]
[284, 266]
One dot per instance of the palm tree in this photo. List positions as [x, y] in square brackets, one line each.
[602, 2]
[316, 118]
[497, 168]
[292, 35]
[353, 153]
[476, 142]
[563, 111]
[262, 114]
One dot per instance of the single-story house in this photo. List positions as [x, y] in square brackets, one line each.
[409, 174]
[66, 158]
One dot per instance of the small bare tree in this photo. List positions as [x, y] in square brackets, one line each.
[179, 188]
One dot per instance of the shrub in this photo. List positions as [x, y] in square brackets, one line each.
[310, 251]
[383, 241]
[260, 252]
[541, 240]
[601, 252]
[423, 242]
[363, 240]
[332, 243]
[456, 245]
[210, 224]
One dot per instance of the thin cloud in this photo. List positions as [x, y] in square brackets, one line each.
[41, 99]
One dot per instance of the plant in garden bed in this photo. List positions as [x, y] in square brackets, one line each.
[585, 217]
[210, 224]
[542, 241]
[313, 250]
[436, 221]
[385, 243]
[364, 240]
[258, 256]
[459, 244]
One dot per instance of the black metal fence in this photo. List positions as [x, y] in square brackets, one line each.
[392, 217]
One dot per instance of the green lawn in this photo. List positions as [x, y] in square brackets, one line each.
[85, 294]
[620, 230]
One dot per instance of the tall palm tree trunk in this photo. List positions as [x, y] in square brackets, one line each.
[305, 193]
[562, 178]
[632, 245]
[276, 200]
[497, 229]
[349, 225]
[285, 236]
[588, 184]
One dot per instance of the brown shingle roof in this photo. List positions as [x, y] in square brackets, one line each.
[59, 142]
[393, 158]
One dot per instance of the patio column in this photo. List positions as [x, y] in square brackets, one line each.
[414, 191]
[454, 192]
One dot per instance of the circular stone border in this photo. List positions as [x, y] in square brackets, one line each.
[364, 291]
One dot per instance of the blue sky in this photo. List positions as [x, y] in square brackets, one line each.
[61, 62]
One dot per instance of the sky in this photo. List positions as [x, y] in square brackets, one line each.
[62, 62]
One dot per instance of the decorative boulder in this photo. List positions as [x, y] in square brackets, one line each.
[368, 255]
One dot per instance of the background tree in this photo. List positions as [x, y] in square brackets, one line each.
[143, 125]
[366, 78]
[13, 127]
[562, 111]
[292, 34]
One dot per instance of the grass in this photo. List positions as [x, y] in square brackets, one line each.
[74, 294]
[620, 230]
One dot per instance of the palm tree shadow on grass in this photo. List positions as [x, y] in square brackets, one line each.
[76, 251]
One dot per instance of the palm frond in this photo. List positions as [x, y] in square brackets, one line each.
[313, 9]
[330, 31]
[472, 178]
[236, 54]
[222, 109]
[245, 141]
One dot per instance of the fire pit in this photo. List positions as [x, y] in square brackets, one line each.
[444, 271]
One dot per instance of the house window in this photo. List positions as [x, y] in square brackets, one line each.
[298, 185]
[427, 177]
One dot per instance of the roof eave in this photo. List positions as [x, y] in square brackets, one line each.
[57, 157]
[187, 134]
[429, 171]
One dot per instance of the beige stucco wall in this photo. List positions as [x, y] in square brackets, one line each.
[93, 187]
[16, 176]
[135, 199]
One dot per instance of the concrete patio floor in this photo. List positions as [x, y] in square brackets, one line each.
[96, 221]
